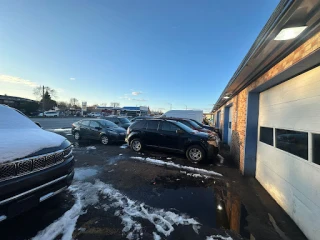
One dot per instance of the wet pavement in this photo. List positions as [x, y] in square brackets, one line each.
[115, 196]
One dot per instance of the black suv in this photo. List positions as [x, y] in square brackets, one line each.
[34, 164]
[173, 136]
[120, 121]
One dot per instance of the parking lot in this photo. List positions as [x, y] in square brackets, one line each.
[118, 194]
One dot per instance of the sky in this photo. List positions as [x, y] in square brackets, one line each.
[163, 54]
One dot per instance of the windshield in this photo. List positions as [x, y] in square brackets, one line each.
[107, 123]
[124, 120]
[183, 127]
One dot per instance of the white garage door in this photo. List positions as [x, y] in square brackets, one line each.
[288, 153]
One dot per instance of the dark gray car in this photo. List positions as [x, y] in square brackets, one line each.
[120, 121]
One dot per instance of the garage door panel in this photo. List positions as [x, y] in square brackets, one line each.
[292, 181]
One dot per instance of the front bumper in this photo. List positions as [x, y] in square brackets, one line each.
[213, 149]
[21, 194]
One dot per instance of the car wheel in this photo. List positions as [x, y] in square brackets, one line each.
[136, 145]
[104, 140]
[195, 153]
[76, 135]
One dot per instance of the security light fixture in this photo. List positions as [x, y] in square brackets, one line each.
[219, 207]
[226, 97]
[290, 33]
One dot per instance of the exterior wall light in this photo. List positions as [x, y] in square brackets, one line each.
[290, 33]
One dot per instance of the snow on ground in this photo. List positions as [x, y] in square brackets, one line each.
[84, 173]
[156, 236]
[218, 237]
[129, 211]
[91, 148]
[57, 130]
[178, 166]
[124, 146]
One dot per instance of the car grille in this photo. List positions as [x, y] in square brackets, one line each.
[29, 165]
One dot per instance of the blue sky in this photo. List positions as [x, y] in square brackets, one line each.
[145, 52]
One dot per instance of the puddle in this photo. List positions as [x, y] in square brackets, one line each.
[208, 200]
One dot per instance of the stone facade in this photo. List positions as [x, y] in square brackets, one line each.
[240, 101]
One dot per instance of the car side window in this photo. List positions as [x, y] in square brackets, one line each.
[85, 123]
[152, 125]
[169, 127]
[94, 124]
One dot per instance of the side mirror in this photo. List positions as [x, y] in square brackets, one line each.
[179, 131]
[39, 125]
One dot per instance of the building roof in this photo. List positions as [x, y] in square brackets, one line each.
[12, 98]
[267, 52]
[131, 108]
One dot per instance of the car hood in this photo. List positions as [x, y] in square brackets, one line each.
[200, 134]
[20, 143]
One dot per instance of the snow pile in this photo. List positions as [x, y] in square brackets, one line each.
[218, 237]
[20, 137]
[124, 146]
[131, 210]
[178, 166]
[197, 175]
[84, 173]
[156, 236]
[91, 148]
[64, 130]
[85, 195]
[127, 210]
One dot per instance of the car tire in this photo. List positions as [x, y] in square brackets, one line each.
[136, 145]
[76, 135]
[195, 153]
[104, 140]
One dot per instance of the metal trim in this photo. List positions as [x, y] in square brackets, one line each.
[32, 190]
[51, 194]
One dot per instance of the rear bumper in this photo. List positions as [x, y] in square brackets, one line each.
[20, 194]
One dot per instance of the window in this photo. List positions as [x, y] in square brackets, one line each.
[316, 148]
[293, 142]
[188, 124]
[169, 127]
[124, 120]
[107, 123]
[94, 124]
[138, 124]
[266, 135]
[152, 125]
[85, 123]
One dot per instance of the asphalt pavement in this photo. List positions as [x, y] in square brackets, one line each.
[56, 123]
[118, 194]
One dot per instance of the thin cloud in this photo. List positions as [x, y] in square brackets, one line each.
[17, 80]
[72, 78]
[139, 99]
[136, 93]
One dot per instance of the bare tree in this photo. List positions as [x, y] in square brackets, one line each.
[62, 105]
[114, 104]
[74, 102]
[38, 92]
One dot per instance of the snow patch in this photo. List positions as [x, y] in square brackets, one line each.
[91, 148]
[124, 146]
[156, 236]
[65, 130]
[218, 237]
[178, 166]
[197, 175]
[84, 173]
[131, 210]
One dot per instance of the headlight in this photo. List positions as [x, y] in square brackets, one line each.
[212, 137]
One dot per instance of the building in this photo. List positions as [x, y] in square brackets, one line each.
[269, 112]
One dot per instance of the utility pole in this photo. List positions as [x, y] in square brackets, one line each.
[42, 101]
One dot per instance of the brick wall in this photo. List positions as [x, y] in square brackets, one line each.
[240, 101]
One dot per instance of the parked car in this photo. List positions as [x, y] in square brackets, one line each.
[213, 129]
[189, 114]
[51, 113]
[98, 129]
[139, 118]
[94, 114]
[173, 136]
[34, 164]
[191, 124]
[120, 121]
